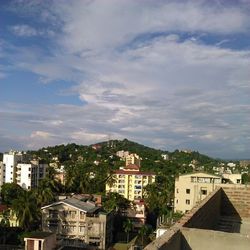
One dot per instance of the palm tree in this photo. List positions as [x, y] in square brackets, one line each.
[44, 193]
[26, 209]
[128, 226]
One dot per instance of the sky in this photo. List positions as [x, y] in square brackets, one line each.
[167, 74]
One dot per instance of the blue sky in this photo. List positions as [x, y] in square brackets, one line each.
[168, 74]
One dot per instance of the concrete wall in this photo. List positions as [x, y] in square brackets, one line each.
[169, 240]
[197, 239]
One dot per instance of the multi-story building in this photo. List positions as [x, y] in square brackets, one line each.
[192, 188]
[8, 169]
[130, 182]
[28, 175]
[133, 159]
[78, 223]
[16, 168]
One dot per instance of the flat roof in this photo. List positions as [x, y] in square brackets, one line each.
[38, 235]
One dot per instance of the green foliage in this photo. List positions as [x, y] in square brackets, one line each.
[9, 192]
[115, 201]
[127, 226]
[27, 210]
[245, 178]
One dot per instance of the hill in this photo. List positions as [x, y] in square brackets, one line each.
[152, 159]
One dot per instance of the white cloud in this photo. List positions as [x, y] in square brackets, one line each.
[24, 30]
[164, 90]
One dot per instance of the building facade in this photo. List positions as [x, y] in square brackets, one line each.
[130, 182]
[28, 175]
[133, 159]
[192, 188]
[16, 168]
[8, 168]
[78, 222]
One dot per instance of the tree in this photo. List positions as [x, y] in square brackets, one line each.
[44, 193]
[127, 226]
[10, 191]
[26, 209]
[117, 202]
[144, 230]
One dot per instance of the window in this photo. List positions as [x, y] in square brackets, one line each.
[81, 229]
[177, 201]
[72, 214]
[82, 215]
[177, 190]
[203, 191]
[238, 180]
[187, 191]
[188, 202]
[40, 245]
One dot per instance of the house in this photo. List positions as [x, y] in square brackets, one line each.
[78, 222]
[40, 241]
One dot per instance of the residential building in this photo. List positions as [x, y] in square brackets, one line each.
[137, 213]
[232, 178]
[133, 159]
[8, 168]
[192, 188]
[78, 222]
[40, 241]
[16, 168]
[60, 174]
[28, 175]
[130, 182]
[122, 154]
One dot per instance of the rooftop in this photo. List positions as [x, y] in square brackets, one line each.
[38, 235]
[87, 207]
[220, 221]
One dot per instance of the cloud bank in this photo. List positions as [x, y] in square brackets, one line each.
[158, 72]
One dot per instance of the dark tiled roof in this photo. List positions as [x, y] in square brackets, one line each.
[39, 235]
[85, 206]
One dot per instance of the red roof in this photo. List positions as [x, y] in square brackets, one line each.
[121, 171]
[2, 208]
[132, 166]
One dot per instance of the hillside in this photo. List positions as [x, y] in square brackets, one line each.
[175, 162]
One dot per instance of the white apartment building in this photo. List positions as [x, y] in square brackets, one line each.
[17, 169]
[10, 161]
[29, 174]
